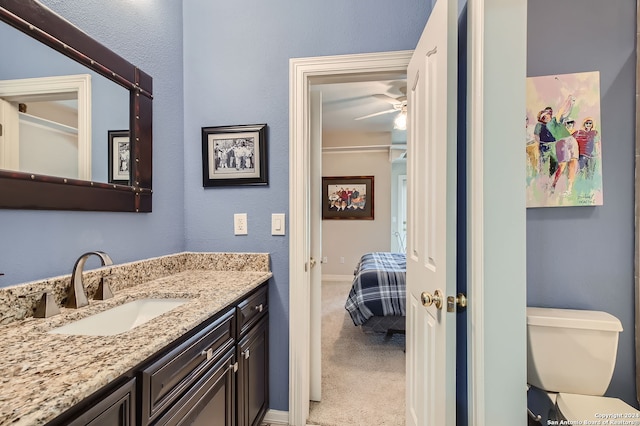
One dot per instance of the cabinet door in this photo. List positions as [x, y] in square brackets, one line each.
[165, 380]
[253, 375]
[116, 409]
[210, 401]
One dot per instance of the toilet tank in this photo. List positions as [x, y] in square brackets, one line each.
[571, 351]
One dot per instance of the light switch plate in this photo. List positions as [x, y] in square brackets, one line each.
[277, 223]
[240, 224]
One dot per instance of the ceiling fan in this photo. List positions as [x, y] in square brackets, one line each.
[399, 104]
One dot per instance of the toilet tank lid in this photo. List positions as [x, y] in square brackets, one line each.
[573, 318]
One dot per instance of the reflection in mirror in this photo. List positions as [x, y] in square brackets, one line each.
[121, 100]
[55, 118]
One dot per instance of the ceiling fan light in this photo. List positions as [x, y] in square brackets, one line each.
[400, 122]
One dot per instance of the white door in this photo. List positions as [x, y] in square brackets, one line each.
[315, 236]
[401, 225]
[431, 160]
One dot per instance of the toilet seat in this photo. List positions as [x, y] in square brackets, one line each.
[593, 408]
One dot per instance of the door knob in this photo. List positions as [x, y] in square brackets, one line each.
[460, 301]
[312, 262]
[429, 299]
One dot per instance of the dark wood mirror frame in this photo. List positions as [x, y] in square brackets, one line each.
[19, 190]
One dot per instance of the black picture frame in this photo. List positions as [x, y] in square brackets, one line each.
[119, 155]
[348, 197]
[234, 155]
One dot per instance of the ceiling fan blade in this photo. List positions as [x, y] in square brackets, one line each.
[392, 101]
[376, 113]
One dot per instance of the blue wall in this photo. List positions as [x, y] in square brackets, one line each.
[35, 245]
[236, 56]
[582, 257]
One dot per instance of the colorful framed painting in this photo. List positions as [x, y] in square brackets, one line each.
[563, 141]
[347, 197]
[234, 155]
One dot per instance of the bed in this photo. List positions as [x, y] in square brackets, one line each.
[377, 300]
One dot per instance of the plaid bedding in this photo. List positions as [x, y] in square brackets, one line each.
[379, 287]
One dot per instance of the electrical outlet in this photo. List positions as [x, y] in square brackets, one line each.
[341, 259]
[325, 259]
[240, 224]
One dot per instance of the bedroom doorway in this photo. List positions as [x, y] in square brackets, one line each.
[303, 73]
[352, 133]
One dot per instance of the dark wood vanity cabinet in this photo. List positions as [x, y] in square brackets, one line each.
[115, 409]
[215, 375]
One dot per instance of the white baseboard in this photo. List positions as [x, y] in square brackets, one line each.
[337, 277]
[276, 417]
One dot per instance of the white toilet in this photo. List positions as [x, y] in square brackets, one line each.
[571, 355]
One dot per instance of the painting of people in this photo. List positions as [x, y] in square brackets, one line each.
[347, 197]
[234, 155]
[563, 141]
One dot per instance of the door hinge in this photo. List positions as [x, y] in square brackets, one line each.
[0, 129]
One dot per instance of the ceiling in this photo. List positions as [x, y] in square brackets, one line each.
[343, 102]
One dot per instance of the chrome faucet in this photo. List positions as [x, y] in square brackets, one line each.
[77, 296]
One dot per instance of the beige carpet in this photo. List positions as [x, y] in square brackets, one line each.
[363, 375]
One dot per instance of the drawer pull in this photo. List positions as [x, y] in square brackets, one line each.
[246, 354]
[208, 353]
[234, 367]
[259, 307]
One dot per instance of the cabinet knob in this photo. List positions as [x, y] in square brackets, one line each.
[259, 307]
[208, 353]
[246, 354]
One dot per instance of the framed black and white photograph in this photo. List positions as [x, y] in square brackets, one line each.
[119, 154]
[347, 197]
[234, 155]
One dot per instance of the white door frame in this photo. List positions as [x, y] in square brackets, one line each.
[496, 211]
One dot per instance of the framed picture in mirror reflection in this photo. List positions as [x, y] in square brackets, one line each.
[234, 155]
[119, 154]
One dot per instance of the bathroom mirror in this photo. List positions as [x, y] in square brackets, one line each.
[120, 103]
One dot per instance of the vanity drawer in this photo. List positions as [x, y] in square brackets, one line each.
[252, 309]
[166, 379]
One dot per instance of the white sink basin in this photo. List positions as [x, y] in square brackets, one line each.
[121, 318]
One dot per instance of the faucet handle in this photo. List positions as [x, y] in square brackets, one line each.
[104, 291]
[47, 306]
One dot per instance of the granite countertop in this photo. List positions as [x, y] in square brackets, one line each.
[43, 374]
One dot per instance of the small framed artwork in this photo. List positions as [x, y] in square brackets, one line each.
[234, 155]
[119, 154]
[347, 197]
